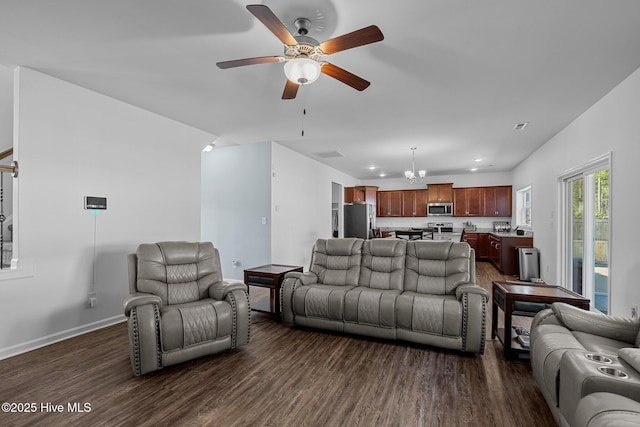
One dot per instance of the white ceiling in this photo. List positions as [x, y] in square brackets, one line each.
[451, 77]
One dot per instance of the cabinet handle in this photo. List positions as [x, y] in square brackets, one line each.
[497, 245]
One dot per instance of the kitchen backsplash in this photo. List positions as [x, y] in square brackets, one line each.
[458, 222]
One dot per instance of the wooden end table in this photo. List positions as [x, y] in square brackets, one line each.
[269, 276]
[505, 297]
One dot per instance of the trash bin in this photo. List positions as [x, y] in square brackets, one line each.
[529, 263]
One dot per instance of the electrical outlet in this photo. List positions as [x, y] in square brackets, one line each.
[634, 311]
[93, 300]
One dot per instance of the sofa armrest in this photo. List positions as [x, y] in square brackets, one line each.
[474, 314]
[143, 320]
[631, 355]
[576, 319]
[579, 377]
[307, 278]
[293, 281]
[219, 290]
[600, 409]
[138, 299]
[471, 289]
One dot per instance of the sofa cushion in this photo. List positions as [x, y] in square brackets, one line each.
[322, 301]
[436, 267]
[337, 261]
[599, 345]
[616, 328]
[431, 314]
[177, 272]
[383, 264]
[183, 325]
[375, 307]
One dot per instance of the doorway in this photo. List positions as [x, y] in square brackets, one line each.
[585, 235]
[336, 212]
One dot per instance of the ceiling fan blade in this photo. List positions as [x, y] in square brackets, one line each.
[271, 21]
[249, 61]
[366, 35]
[344, 76]
[290, 90]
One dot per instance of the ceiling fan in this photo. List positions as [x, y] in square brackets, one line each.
[304, 56]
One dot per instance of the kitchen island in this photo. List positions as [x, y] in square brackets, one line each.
[498, 247]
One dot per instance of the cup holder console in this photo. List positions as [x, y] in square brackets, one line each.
[613, 372]
[598, 358]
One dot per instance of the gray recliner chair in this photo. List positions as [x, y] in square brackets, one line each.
[179, 308]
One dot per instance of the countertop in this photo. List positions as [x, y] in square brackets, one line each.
[499, 233]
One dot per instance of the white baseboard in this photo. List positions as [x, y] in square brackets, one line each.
[17, 349]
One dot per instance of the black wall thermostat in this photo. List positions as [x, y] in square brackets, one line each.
[92, 202]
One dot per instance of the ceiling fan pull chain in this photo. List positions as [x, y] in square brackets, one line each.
[304, 113]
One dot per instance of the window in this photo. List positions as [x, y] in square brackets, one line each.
[523, 207]
[585, 231]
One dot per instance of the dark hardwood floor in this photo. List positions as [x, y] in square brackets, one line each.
[284, 377]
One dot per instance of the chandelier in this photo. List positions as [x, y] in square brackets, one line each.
[411, 175]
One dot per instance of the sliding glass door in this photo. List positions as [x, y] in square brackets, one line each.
[586, 233]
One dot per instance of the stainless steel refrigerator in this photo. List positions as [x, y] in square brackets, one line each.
[359, 220]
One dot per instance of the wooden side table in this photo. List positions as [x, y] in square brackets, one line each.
[269, 276]
[508, 295]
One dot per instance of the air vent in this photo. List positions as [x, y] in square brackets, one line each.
[329, 154]
[520, 126]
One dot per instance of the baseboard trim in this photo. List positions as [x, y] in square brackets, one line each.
[25, 347]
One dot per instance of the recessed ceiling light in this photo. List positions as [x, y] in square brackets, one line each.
[473, 169]
[382, 175]
[371, 168]
[478, 160]
[520, 126]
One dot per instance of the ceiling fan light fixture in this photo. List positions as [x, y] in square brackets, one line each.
[302, 71]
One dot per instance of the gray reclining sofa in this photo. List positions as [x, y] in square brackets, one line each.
[587, 366]
[419, 291]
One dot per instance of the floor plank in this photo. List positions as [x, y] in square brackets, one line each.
[284, 377]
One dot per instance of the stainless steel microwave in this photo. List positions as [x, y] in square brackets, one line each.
[440, 209]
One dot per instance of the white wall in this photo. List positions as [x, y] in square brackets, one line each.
[74, 142]
[236, 197]
[301, 203]
[612, 124]
[6, 107]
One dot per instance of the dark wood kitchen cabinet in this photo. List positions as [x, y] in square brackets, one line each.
[440, 193]
[483, 246]
[503, 253]
[479, 242]
[467, 201]
[471, 239]
[361, 194]
[497, 201]
[389, 203]
[414, 203]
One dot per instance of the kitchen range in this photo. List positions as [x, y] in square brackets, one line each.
[442, 231]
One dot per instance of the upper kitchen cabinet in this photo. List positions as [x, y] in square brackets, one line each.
[360, 194]
[467, 201]
[389, 203]
[440, 193]
[497, 201]
[414, 203]
[482, 201]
